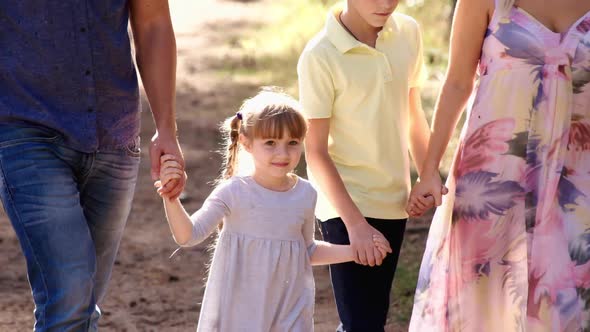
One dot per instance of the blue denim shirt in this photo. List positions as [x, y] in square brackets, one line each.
[67, 65]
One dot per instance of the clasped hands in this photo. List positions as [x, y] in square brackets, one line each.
[426, 193]
[170, 170]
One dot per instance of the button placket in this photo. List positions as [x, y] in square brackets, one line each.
[387, 74]
[384, 34]
[86, 70]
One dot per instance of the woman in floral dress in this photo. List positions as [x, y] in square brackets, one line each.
[509, 248]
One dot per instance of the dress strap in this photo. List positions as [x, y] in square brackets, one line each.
[576, 34]
[502, 8]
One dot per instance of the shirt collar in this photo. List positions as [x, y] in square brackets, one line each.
[342, 39]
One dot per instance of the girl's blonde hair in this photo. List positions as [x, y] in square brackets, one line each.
[269, 114]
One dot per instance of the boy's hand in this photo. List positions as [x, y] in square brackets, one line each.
[419, 204]
[170, 169]
[361, 241]
[382, 245]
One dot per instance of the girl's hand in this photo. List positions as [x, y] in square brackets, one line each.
[170, 169]
[361, 242]
[382, 245]
[165, 145]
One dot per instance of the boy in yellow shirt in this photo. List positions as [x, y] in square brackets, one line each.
[359, 82]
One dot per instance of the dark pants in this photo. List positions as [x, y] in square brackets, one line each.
[362, 292]
[68, 210]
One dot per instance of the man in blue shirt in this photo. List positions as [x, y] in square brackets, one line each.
[69, 139]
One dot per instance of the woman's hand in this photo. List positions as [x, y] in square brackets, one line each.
[429, 189]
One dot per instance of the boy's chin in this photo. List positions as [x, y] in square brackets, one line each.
[377, 23]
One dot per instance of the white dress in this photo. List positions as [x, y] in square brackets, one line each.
[260, 277]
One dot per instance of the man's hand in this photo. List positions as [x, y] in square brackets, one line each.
[167, 145]
[361, 240]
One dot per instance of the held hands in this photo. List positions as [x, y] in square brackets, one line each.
[170, 170]
[369, 245]
[426, 193]
[163, 144]
[417, 205]
[382, 245]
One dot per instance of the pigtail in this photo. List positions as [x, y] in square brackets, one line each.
[231, 127]
[231, 130]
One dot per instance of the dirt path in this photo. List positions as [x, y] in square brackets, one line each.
[149, 291]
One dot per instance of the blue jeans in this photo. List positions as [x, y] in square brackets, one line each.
[68, 210]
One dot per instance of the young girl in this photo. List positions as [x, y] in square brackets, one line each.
[261, 276]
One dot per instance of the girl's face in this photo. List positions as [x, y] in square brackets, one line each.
[373, 12]
[274, 157]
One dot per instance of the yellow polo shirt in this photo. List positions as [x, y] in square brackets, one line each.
[364, 92]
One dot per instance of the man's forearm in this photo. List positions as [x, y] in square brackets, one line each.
[156, 60]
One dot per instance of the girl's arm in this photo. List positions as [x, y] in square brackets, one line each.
[469, 28]
[328, 253]
[191, 230]
[179, 221]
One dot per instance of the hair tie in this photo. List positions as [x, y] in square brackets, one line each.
[239, 115]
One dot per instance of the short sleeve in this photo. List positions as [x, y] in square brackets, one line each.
[309, 223]
[418, 74]
[211, 214]
[316, 88]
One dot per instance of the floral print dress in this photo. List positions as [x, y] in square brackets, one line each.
[509, 249]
